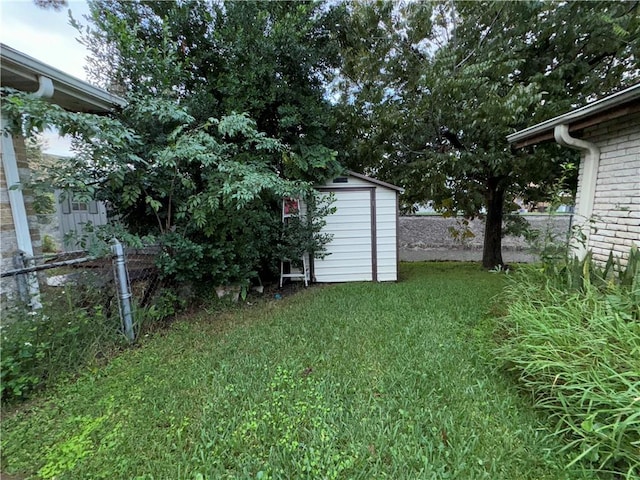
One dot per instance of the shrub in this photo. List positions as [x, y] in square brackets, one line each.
[71, 330]
[49, 244]
[302, 232]
[572, 336]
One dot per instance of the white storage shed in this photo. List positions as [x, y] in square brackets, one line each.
[364, 226]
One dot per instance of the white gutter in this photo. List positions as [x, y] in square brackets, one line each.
[587, 182]
[16, 198]
[27, 67]
[620, 98]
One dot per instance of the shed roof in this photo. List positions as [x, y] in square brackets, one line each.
[20, 71]
[624, 102]
[376, 181]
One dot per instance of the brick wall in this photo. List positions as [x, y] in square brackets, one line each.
[25, 173]
[616, 210]
[8, 243]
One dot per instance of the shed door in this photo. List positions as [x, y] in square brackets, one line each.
[350, 251]
[73, 216]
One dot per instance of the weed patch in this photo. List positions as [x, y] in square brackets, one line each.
[71, 331]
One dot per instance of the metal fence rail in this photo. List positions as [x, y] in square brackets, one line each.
[119, 281]
[45, 266]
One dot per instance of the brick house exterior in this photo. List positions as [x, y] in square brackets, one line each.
[607, 133]
[9, 241]
[18, 223]
[616, 208]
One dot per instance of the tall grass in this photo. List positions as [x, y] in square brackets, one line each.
[572, 337]
[78, 327]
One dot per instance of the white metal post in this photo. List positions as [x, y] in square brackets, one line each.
[18, 211]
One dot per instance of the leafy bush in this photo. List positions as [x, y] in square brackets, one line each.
[69, 332]
[572, 335]
[302, 232]
[49, 244]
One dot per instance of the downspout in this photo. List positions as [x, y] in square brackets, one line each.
[16, 198]
[45, 88]
[587, 183]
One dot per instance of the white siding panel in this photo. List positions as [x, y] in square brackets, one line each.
[349, 251]
[386, 209]
[354, 228]
[352, 182]
[350, 248]
[347, 275]
[386, 231]
[349, 217]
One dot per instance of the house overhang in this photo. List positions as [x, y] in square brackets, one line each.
[22, 72]
[623, 103]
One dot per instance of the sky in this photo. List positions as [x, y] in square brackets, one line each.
[45, 34]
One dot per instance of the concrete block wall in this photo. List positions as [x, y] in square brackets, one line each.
[428, 237]
[616, 212]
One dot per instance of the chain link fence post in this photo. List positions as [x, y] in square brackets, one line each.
[123, 288]
[28, 288]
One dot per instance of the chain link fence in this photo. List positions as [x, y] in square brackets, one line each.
[118, 284]
[68, 311]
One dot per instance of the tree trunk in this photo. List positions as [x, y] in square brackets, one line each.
[492, 249]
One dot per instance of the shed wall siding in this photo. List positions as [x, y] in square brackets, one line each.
[352, 182]
[616, 210]
[351, 246]
[386, 234]
[349, 252]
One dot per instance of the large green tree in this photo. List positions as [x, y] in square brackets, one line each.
[430, 91]
[226, 116]
[270, 60]
[226, 100]
[201, 190]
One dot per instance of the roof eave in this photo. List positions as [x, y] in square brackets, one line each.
[92, 98]
[376, 181]
[616, 105]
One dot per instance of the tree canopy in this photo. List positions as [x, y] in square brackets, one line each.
[226, 116]
[430, 91]
[205, 178]
[270, 60]
[229, 99]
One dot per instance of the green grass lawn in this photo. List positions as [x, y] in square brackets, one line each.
[343, 381]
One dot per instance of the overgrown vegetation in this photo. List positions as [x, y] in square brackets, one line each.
[225, 116]
[302, 231]
[572, 337]
[77, 327]
[355, 381]
[208, 193]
